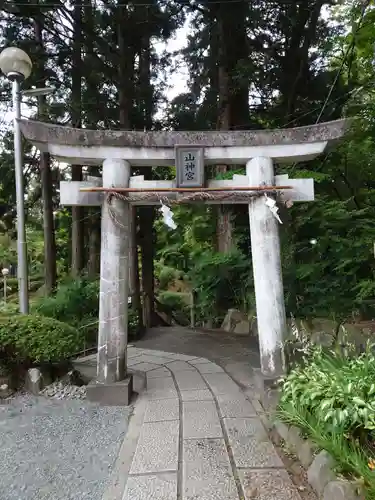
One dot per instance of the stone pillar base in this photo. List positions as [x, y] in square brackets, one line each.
[116, 394]
[267, 389]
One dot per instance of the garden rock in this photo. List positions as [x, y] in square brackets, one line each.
[320, 472]
[282, 430]
[294, 438]
[5, 383]
[59, 390]
[322, 338]
[34, 380]
[5, 390]
[306, 453]
[73, 377]
[236, 322]
[340, 490]
[242, 328]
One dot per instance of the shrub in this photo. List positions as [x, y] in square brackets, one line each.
[221, 281]
[8, 309]
[176, 301]
[167, 275]
[74, 302]
[331, 397]
[338, 388]
[177, 305]
[28, 339]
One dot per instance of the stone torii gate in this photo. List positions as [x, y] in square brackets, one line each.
[117, 151]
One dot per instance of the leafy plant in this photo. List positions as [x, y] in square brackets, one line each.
[352, 458]
[133, 324]
[167, 275]
[175, 300]
[8, 309]
[221, 281]
[331, 397]
[29, 339]
[340, 389]
[74, 302]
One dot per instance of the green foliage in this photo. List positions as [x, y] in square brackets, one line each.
[166, 275]
[77, 303]
[181, 248]
[74, 302]
[351, 457]
[133, 323]
[176, 301]
[29, 339]
[331, 397]
[8, 309]
[221, 281]
[341, 390]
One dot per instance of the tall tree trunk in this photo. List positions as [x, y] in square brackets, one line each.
[125, 66]
[298, 41]
[92, 85]
[233, 105]
[224, 222]
[50, 272]
[78, 237]
[147, 214]
[126, 93]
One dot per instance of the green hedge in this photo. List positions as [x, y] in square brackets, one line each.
[36, 339]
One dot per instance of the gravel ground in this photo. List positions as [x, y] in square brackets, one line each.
[58, 450]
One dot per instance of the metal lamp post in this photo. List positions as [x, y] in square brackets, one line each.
[16, 66]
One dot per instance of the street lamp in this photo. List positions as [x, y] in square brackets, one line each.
[16, 66]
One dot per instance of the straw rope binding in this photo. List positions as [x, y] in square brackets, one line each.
[186, 198]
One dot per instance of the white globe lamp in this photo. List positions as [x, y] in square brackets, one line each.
[15, 64]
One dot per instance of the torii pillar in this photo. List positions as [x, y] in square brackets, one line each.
[116, 151]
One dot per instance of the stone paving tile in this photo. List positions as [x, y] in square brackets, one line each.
[200, 420]
[198, 395]
[160, 383]
[142, 366]
[161, 394]
[160, 410]
[159, 373]
[161, 388]
[250, 444]
[150, 352]
[151, 487]
[209, 368]
[184, 357]
[180, 366]
[235, 405]
[268, 485]
[133, 351]
[207, 473]
[170, 355]
[157, 448]
[199, 361]
[241, 373]
[189, 380]
[221, 383]
[157, 360]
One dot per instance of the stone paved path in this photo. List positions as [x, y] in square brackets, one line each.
[195, 435]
